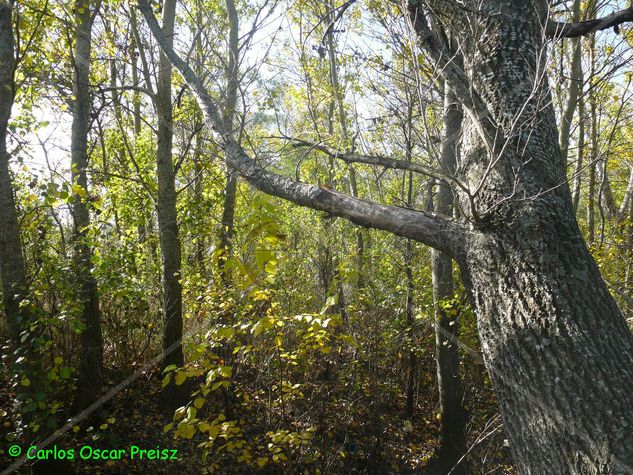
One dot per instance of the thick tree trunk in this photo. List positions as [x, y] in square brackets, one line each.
[453, 417]
[558, 351]
[166, 207]
[90, 380]
[12, 269]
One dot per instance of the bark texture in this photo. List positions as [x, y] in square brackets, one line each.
[90, 379]
[558, 351]
[166, 205]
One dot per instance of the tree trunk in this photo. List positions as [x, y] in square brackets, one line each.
[338, 102]
[230, 191]
[580, 156]
[410, 314]
[558, 351]
[166, 207]
[593, 111]
[575, 83]
[13, 272]
[453, 418]
[90, 380]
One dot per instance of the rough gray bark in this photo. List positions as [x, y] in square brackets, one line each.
[558, 350]
[166, 205]
[230, 191]
[90, 379]
[12, 269]
[453, 417]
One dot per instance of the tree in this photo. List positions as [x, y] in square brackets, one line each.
[557, 348]
[166, 205]
[228, 116]
[14, 283]
[453, 417]
[90, 379]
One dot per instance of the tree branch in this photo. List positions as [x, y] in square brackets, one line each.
[570, 30]
[458, 81]
[438, 232]
[377, 160]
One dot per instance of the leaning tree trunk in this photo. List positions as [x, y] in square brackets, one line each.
[91, 340]
[166, 210]
[558, 351]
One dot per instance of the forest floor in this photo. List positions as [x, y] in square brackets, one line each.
[357, 444]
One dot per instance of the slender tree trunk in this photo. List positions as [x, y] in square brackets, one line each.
[26, 361]
[410, 315]
[408, 267]
[607, 201]
[166, 208]
[591, 181]
[90, 379]
[339, 103]
[13, 272]
[575, 83]
[230, 191]
[593, 162]
[453, 417]
[578, 170]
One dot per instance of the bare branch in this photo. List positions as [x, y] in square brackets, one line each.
[570, 30]
[377, 160]
[458, 81]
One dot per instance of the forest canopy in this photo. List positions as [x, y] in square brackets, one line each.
[316, 237]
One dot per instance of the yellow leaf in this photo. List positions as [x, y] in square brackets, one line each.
[214, 431]
[26, 382]
[78, 190]
[198, 402]
[186, 430]
[180, 378]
